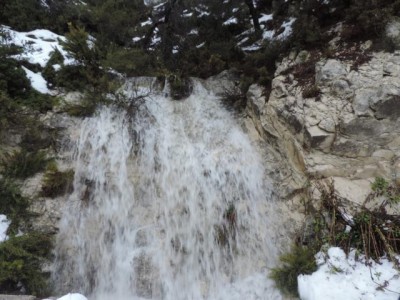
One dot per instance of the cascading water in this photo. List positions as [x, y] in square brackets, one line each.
[170, 202]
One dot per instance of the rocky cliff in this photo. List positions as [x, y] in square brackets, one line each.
[332, 119]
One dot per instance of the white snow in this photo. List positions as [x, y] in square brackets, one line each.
[288, 28]
[72, 297]
[251, 48]
[231, 20]
[4, 223]
[341, 277]
[200, 45]
[37, 45]
[265, 18]
[136, 39]
[270, 34]
[202, 11]
[44, 4]
[37, 81]
[148, 22]
[194, 31]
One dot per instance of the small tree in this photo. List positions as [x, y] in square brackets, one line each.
[80, 48]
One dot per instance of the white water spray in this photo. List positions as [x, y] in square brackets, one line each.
[171, 203]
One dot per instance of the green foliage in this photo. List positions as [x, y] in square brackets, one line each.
[37, 137]
[37, 101]
[373, 231]
[21, 258]
[12, 203]
[22, 14]
[299, 261]
[7, 110]
[77, 45]
[49, 73]
[260, 66]
[380, 185]
[55, 182]
[70, 77]
[234, 99]
[132, 62]
[180, 87]
[23, 164]
[13, 80]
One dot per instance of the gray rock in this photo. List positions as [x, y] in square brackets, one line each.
[362, 101]
[389, 109]
[317, 138]
[330, 70]
[256, 99]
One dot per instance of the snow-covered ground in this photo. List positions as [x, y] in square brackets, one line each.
[37, 48]
[4, 223]
[37, 45]
[341, 277]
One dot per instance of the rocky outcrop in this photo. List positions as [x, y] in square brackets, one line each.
[349, 132]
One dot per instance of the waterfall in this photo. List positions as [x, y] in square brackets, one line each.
[170, 202]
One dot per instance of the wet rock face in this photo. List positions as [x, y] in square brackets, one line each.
[350, 131]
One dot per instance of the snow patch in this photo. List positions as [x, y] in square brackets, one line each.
[201, 45]
[341, 277]
[4, 223]
[231, 20]
[145, 23]
[72, 297]
[265, 18]
[37, 81]
[37, 45]
[137, 39]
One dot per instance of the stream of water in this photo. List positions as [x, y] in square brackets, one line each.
[170, 202]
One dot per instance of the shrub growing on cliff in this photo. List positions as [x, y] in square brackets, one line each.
[55, 182]
[23, 164]
[12, 203]
[299, 261]
[21, 259]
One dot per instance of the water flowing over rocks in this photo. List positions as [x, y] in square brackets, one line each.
[348, 133]
[171, 201]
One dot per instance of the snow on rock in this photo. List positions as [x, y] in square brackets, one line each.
[341, 277]
[37, 45]
[265, 18]
[37, 81]
[4, 223]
